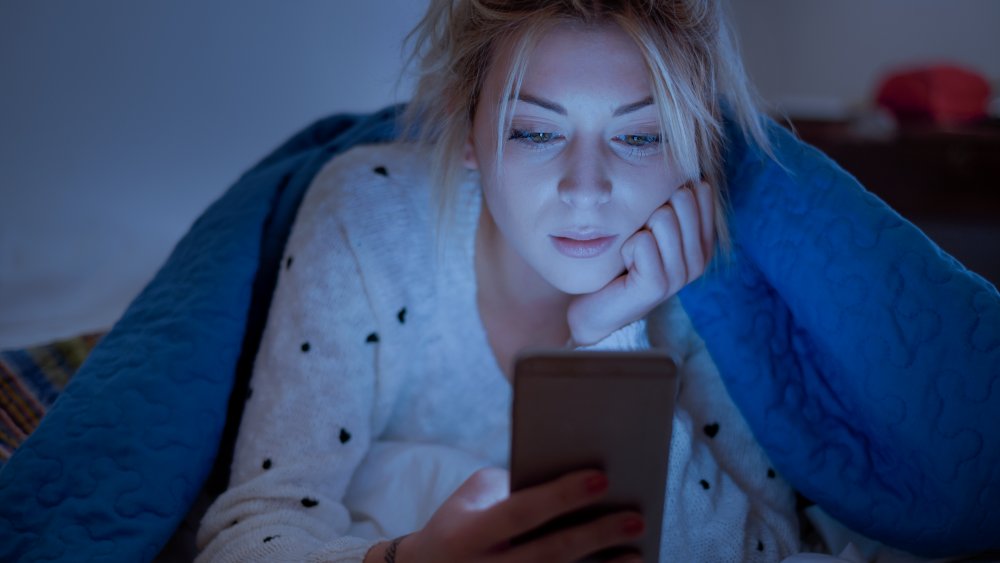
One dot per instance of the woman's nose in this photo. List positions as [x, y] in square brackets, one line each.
[585, 181]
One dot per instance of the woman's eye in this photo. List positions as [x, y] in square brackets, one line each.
[639, 140]
[639, 145]
[533, 137]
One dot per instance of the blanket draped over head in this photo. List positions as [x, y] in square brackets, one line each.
[865, 359]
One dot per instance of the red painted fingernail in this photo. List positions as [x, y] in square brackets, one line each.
[634, 526]
[596, 484]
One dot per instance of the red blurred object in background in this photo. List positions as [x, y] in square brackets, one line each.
[943, 94]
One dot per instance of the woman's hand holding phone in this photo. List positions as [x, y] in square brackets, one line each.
[670, 251]
[479, 520]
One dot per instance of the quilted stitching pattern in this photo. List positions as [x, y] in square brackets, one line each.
[865, 359]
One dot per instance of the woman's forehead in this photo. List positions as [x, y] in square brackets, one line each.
[568, 60]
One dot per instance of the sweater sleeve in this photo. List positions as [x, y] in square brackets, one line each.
[631, 337]
[307, 424]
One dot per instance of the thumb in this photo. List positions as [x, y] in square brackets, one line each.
[484, 488]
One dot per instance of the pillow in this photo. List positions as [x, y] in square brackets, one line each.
[30, 380]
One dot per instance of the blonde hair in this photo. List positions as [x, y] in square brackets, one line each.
[688, 47]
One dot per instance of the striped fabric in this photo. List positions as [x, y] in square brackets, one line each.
[31, 380]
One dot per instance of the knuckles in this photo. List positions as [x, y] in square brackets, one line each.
[664, 217]
[488, 476]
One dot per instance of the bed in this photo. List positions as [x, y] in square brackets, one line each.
[831, 300]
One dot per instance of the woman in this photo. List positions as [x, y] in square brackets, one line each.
[562, 185]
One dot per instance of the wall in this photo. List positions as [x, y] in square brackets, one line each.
[823, 57]
[120, 121]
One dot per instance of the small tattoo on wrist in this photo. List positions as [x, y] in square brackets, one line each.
[390, 552]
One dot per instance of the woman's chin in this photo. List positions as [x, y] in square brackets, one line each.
[582, 283]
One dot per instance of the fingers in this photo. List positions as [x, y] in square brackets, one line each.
[628, 297]
[670, 251]
[469, 526]
[530, 508]
[575, 543]
[689, 220]
[534, 506]
[685, 233]
[666, 227]
[642, 260]
[484, 488]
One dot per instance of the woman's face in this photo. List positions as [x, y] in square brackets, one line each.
[583, 166]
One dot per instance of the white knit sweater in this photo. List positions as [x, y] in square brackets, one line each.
[375, 392]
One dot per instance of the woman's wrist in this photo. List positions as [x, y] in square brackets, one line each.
[376, 553]
[385, 551]
[391, 551]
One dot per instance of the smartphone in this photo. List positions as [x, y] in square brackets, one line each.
[596, 410]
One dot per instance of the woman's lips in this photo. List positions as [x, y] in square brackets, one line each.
[582, 247]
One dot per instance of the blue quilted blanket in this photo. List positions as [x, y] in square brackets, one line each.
[864, 358]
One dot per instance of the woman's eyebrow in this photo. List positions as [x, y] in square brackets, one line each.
[542, 103]
[629, 108]
[556, 108]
